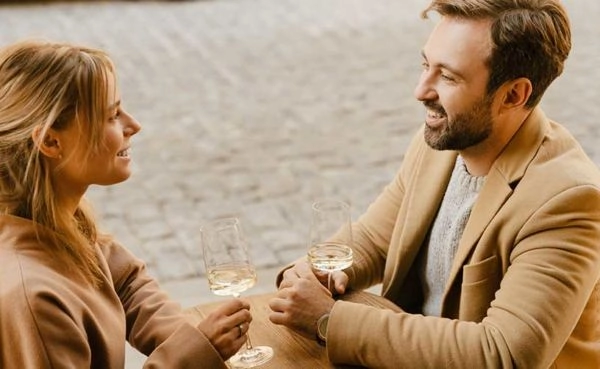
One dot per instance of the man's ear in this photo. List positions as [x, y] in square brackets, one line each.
[516, 93]
[48, 144]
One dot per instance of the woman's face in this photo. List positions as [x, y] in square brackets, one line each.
[110, 163]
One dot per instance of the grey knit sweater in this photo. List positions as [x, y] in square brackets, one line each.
[437, 255]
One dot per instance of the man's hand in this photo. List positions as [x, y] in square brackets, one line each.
[301, 300]
[336, 280]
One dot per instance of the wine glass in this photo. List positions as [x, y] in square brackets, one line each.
[330, 242]
[230, 272]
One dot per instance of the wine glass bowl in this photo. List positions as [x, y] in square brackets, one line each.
[329, 257]
[228, 266]
[231, 279]
[230, 272]
[330, 241]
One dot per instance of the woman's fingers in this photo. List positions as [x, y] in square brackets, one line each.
[226, 327]
[234, 320]
[225, 319]
[232, 306]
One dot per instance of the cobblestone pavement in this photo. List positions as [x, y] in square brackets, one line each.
[255, 108]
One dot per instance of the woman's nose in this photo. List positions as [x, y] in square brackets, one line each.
[132, 126]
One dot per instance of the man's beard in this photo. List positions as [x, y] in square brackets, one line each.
[466, 129]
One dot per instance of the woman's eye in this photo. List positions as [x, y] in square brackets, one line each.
[116, 115]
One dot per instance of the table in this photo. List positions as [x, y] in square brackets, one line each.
[291, 350]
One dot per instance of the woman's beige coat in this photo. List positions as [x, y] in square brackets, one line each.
[49, 319]
[523, 289]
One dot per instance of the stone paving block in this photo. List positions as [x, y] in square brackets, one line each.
[255, 109]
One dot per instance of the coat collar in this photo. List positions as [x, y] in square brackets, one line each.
[428, 180]
[505, 173]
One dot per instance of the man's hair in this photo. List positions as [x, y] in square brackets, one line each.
[530, 38]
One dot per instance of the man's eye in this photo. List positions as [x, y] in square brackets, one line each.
[425, 65]
[446, 77]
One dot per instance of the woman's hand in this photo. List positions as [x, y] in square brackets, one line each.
[226, 327]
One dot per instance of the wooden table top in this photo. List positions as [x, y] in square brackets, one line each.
[290, 349]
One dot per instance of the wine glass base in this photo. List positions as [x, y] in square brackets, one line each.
[251, 358]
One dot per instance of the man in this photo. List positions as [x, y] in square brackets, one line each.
[488, 239]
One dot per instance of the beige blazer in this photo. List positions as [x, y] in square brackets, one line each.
[523, 289]
[49, 319]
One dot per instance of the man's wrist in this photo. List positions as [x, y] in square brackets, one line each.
[322, 324]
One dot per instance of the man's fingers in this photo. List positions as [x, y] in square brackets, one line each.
[278, 303]
[277, 318]
[340, 287]
[301, 270]
[277, 306]
[290, 275]
[305, 270]
[340, 281]
[286, 283]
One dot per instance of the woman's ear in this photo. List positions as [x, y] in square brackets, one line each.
[48, 144]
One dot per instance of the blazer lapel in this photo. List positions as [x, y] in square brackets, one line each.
[493, 194]
[508, 169]
[425, 193]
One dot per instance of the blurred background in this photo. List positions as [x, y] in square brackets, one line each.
[255, 108]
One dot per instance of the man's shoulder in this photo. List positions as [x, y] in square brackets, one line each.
[560, 172]
[562, 160]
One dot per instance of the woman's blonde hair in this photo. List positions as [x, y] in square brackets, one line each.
[47, 85]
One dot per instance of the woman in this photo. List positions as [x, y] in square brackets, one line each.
[70, 296]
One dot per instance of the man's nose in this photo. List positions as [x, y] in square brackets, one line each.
[425, 89]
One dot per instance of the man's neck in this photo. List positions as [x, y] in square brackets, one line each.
[480, 158]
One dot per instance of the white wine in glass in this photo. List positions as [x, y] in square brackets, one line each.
[330, 237]
[230, 272]
[231, 279]
[330, 256]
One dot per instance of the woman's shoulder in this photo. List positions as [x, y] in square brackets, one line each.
[28, 270]
[27, 274]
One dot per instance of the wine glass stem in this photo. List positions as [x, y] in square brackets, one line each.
[248, 341]
[329, 280]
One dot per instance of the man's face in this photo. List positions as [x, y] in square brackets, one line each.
[453, 84]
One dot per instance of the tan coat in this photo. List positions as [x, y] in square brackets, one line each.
[523, 289]
[50, 320]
